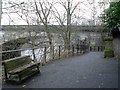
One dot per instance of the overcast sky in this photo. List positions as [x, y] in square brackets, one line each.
[14, 19]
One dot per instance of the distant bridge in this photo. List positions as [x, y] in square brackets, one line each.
[52, 28]
[14, 33]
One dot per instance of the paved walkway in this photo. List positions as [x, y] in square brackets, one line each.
[87, 71]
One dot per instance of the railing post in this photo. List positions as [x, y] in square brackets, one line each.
[59, 52]
[80, 48]
[94, 48]
[68, 50]
[45, 54]
[73, 50]
[98, 48]
[33, 52]
[90, 48]
[77, 48]
[53, 52]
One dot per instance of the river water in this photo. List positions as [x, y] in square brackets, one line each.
[38, 53]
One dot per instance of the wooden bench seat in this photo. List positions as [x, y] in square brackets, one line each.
[20, 68]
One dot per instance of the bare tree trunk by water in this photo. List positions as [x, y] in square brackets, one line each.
[69, 10]
[43, 13]
[24, 14]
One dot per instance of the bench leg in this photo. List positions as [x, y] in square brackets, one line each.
[19, 77]
[38, 69]
[5, 72]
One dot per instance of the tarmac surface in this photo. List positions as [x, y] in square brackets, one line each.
[91, 70]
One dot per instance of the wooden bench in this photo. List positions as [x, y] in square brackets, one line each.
[20, 68]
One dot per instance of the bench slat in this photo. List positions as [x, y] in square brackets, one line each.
[22, 68]
[17, 62]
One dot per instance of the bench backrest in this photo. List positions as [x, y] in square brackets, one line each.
[13, 63]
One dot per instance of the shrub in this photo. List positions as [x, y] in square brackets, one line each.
[108, 53]
[107, 39]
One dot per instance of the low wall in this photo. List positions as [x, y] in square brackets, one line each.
[116, 46]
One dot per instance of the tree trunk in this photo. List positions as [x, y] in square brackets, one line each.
[68, 25]
[50, 41]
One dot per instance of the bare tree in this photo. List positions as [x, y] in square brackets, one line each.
[43, 11]
[69, 12]
[60, 19]
[25, 13]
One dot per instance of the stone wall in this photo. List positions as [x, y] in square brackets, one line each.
[116, 46]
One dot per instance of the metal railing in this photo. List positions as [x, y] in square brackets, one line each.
[96, 48]
[46, 53]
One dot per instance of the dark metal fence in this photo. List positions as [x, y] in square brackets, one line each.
[45, 54]
[96, 48]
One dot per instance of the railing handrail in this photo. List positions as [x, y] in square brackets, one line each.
[8, 51]
[46, 54]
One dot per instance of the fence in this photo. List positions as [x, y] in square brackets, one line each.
[46, 53]
[96, 48]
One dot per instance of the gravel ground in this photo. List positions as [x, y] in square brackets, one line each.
[87, 71]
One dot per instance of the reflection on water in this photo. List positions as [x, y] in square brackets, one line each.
[38, 53]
